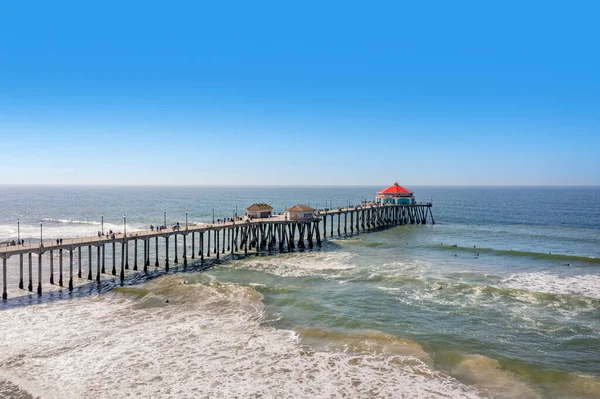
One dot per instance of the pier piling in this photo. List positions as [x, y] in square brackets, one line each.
[21, 271]
[39, 287]
[70, 269]
[51, 267]
[4, 294]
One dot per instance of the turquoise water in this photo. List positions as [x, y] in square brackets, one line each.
[499, 298]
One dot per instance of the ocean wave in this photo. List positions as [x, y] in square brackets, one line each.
[363, 342]
[300, 264]
[487, 375]
[534, 255]
[69, 221]
[552, 283]
[358, 242]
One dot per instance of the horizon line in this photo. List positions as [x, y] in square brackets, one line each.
[284, 185]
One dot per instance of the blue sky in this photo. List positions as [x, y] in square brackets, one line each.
[303, 93]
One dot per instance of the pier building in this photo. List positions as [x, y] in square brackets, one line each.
[395, 195]
[259, 211]
[300, 212]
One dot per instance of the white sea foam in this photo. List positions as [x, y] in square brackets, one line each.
[58, 229]
[301, 264]
[208, 341]
[586, 285]
[69, 221]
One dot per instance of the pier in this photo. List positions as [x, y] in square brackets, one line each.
[240, 236]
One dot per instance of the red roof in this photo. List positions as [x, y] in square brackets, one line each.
[395, 189]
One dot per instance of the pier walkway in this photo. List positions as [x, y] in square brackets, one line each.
[238, 236]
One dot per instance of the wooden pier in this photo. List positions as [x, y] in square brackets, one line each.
[243, 236]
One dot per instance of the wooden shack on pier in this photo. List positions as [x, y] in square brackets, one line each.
[300, 212]
[259, 211]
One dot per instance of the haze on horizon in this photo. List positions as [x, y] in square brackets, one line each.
[309, 94]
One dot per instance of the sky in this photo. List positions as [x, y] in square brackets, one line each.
[300, 93]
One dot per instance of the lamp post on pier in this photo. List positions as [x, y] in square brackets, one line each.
[165, 214]
[18, 231]
[102, 223]
[186, 224]
[124, 226]
[331, 203]
[41, 237]
[348, 204]
[213, 209]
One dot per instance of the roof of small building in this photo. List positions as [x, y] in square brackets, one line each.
[260, 207]
[301, 208]
[395, 189]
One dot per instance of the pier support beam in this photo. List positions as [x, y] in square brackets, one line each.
[4, 295]
[223, 241]
[123, 261]
[331, 226]
[39, 287]
[51, 267]
[208, 246]
[176, 260]
[185, 250]
[125, 249]
[30, 286]
[345, 223]
[146, 257]
[114, 256]
[98, 262]
[228, 239]
[79, 260]
[193, 243]
[60, 267]
[217, 243]
[135, 267]
[167, 253]
[70, 269]
[156, 252]
[21, 271]
[200, 242]
[103, 259]
[89, 277]
[201, 245]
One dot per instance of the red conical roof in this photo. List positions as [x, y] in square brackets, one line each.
[395, 189]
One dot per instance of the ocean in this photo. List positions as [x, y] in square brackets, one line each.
[499, 299]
